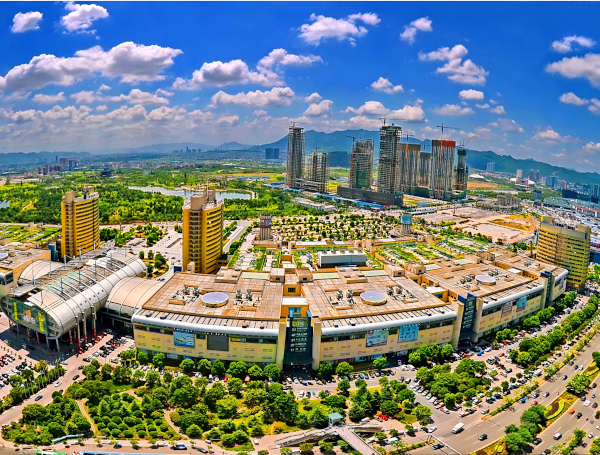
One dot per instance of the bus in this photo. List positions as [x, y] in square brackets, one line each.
[48, 452]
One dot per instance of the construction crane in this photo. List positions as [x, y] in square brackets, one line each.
[464, 144]
[353, 140]
[384, 119]
[443, 127]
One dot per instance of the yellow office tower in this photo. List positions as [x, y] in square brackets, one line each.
[202, 232]
[566, 247]
[80, 221]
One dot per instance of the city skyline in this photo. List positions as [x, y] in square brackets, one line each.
[89, 76]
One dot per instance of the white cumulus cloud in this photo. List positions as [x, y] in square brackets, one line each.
[49, 99]
[384, 85]
[282, 57]
[571, 98]
[457, 70]
[586, 67]
[129, 61]
[24, 22]
[313, 98]
[319, 109]
[322, 28]
[408, 114]
[471, 95]
[509, 125]
[369, 108]
[592, 147]
[550, 136]
[278, 96]
[453, 110]
[498, 110]
[566, 44]
[422, 24]
[81, 17]
[221, 74]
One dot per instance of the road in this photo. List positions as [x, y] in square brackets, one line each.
[236, 233]
[467, 441]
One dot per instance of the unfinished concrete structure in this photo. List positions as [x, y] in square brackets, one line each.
[409, 161]
[295, 157]
[442, 169]
[461, 171]
[361, 165]
[389, 172]
[317, 172]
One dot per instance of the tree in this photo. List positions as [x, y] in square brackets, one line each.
[193, 431]
[421, 411]
[234, 386]
[356, 412]
[142, 358]
[142, 254]
[389, 408]
[106, 371]
[204, 366]
[150, 268]
[447, 351]
[325, 446]
[596, 357]
[285, 450]
[379, 363]
[344, 369]
[319, 419]
[343, 386]
[187, 365]
[325, 370]
[255, 372]
[158, 360]
[578, 384]
[237, 369]
[450, 401]
[306, 447]
[218, 368]
[272, 371]
[227, 407]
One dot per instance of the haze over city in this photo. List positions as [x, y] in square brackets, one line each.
[522, 78]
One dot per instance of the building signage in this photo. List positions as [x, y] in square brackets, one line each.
[506, 308]
[377, 337]
[408, 333]
[299, 328]
[521, 303]
[183, 338]
[172, 356]
[29, 316]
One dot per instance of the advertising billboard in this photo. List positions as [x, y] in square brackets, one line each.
[521, 303]
[299, 328]
[184, 339]
[408, 333]
[506, 308]
[377, 337]
[29, 316]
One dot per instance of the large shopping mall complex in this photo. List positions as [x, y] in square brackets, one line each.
[350, 303]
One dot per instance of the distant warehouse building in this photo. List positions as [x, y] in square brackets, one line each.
[375, 197]
[344, 313]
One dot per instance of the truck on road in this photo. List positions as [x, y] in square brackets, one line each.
[458, 427]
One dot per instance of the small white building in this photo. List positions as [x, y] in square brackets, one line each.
[343, 257]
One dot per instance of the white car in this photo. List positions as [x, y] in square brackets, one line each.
[57, 384]
[587, 403]
[431, 429]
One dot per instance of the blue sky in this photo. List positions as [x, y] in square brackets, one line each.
[516, 78]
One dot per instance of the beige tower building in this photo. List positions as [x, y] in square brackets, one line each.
[442, 169]
[80, 221]
[567, 247]
[202, 232]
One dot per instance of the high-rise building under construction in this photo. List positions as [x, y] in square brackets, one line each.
[409, 162]
[461, 170]
[389, 171]
[317, 172]
[361, 164]
[295, 157]
[442, 169]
